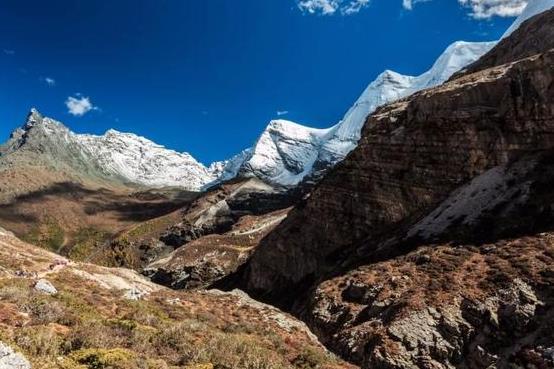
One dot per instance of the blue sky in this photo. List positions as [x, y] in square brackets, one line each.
[206, 76]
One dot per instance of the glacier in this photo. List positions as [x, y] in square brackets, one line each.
[278, 159]
[287, 153]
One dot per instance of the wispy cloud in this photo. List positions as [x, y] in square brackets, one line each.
[282, 112]
[483, 9]
[409, 4]
[8, 52]
[330, 7]
[79, 105]
[478, 9]
[51, 82]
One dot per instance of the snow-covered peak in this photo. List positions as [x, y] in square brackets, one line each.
[457, 56]
[124, 157]
[288, 152]
[390, 86]
[533, 8]
[283, 155]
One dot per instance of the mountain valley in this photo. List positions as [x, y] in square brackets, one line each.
[416, 233]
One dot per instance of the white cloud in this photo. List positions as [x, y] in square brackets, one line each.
[330, 7]
[8, 52]
[282, 112]
[51, 82]
[354, 7]
[483, 9]
[79, 106]
[409, 4]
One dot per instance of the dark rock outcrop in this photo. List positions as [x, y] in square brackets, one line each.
[212, 258]
[218, 210]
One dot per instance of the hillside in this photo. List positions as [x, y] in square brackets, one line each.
[58, 314]
[401, 262]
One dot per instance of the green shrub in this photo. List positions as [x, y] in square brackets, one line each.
[39, 341]
[116, 358]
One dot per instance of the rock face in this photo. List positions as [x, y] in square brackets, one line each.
[431, 245]
[412, 155]
[217, 210]
[12, 360]
[208, 259]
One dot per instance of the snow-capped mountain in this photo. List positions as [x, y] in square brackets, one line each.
[533, 8]
[287, 152]
[124, 157]
[390, 86]
[283, 155]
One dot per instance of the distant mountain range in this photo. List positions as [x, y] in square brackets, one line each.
[285, 154]
[116, 156]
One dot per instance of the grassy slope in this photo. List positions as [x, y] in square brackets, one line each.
[89, 324]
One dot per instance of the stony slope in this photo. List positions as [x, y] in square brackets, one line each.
[204, 241]
[59, 314]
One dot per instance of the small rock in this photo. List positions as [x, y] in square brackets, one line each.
[488, 249]
[133, 294]
[361, 293]
[422, 259]
[9, 359]
[46, 287]
[549, 353]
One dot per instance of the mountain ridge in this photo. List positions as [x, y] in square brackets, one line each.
[116, 156]
[334, 143]
[285, 154]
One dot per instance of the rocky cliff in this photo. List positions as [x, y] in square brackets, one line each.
[467, 163]
[413, 153]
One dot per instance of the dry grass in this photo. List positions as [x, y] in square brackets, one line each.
[87, 326]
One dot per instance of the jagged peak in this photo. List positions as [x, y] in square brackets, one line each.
[34, 112]
[113, 132]
[33, 117]
[293, 129]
